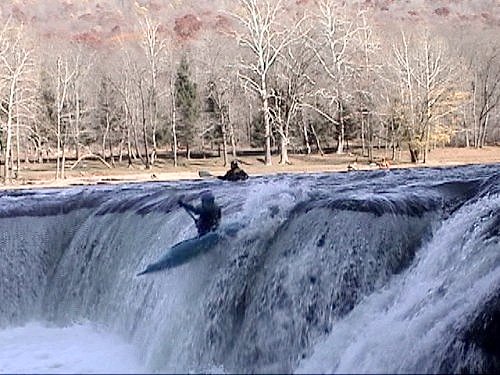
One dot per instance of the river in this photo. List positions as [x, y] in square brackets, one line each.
[384, 271]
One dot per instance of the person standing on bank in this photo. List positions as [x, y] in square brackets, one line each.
[209, 214]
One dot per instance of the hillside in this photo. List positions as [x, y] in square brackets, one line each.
[99, 21]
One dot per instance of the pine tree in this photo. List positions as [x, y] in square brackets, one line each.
[186, 101]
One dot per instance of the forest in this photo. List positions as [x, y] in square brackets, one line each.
[268, 76]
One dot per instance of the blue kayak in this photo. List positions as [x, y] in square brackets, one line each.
[183, 252]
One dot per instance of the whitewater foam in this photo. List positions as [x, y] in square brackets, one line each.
[81, 348]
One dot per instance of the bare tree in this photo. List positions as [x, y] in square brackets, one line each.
[221, 91]
[173, 118]
[15, 60]
[478, 52]
[138, 113]
[332, 44]
[265, 39]
[485, 91]
[64, 91]
[369, 69]
[170, 107]
[154, 47]
[137, 87]
[64, 73]
[425, 79]
[123, 85]
[292, 85]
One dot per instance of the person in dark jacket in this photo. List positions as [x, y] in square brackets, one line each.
[209, 214]
[235, 173]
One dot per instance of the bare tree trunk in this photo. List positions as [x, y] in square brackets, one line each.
[7, 176]
[267, 123]
[466, 128]
[306, 137]
[106, 132]
[120, 153]
[174, 119]
[18, 140]
[153, 124]
[136, 138]
[284, 151]
[224, 137]
[58, 160]
[427, 142]
[485, 130]
[341, 135]
[64, 76]
[145, 131]
[111, 154]
[317, 140]
[77, 125]
[393, 141]
[231, 133]
[474, 114]
[39, 150]
[64, 137]
[427, 124]
[363, 146]
[249, 122]
[129, 147]
[63, 160]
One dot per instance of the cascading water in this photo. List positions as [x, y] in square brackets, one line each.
[417, 318]
[363, 272]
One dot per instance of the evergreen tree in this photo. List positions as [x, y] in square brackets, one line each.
[186, 101]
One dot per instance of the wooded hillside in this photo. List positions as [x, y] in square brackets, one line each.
[132, 81]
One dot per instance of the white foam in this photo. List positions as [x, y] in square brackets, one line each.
[406, 327]
[37, 348]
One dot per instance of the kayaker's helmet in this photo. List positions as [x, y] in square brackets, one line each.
[234, 164]
[207, 198]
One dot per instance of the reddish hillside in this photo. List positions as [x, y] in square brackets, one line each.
[96, 22]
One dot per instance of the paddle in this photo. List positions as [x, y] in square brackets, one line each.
[189, 212]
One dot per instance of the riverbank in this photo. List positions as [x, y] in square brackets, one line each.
[93, 172]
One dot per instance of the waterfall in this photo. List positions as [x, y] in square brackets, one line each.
[412, 323]
[362, 272]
